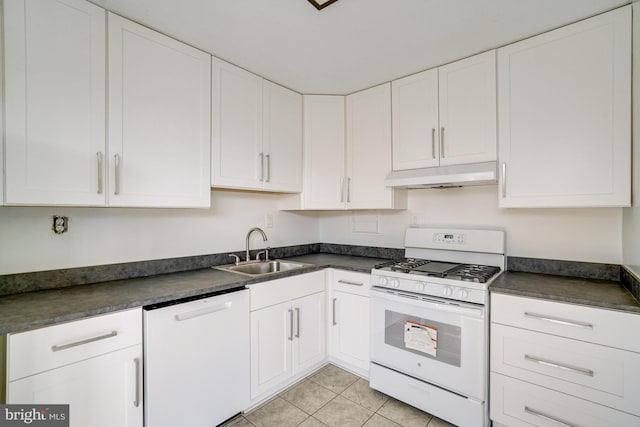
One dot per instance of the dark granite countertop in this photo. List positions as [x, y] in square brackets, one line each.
[589, 292]
[31, 310]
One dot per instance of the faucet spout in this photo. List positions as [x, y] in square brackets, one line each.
[264, 238]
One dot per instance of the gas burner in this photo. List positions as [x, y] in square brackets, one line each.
[472, 273]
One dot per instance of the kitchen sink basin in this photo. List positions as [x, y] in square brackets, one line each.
[259, 268]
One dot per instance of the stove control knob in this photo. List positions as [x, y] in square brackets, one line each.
[395, 283]
[447, 292]
[383, 281]
[420, 287]
[464, 294]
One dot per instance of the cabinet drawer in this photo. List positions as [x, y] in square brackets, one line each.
[593, 372]
[47, 348]
[351, 282]
[516, 403]
[600, 326]
[277, 291]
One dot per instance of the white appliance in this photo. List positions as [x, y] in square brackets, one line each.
[196, 358]
[430, 322]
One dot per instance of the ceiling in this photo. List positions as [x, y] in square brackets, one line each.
[351, 44]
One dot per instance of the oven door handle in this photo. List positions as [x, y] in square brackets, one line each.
[425, 302]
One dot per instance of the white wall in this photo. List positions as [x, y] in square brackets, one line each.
[99, 236]
[631, 218]
[592, 235]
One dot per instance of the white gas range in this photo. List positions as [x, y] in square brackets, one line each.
[430, 322]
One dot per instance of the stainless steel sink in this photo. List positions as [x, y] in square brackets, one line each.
[260, 268]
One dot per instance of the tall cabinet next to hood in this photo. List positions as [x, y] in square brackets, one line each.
[443, 118]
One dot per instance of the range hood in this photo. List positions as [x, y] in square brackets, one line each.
[445, 176]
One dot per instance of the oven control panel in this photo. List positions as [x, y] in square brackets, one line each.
[449, 238]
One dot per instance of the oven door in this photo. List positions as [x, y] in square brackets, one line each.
[434, 340]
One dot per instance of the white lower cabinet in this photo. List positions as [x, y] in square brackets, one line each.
[287, 331]
[94, 365]
[561, 364]
[349, 320]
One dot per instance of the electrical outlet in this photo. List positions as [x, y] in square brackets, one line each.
[268, 220]
[60, 224]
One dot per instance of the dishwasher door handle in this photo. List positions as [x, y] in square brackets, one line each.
[203, 311]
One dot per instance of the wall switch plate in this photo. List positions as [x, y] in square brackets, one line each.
[60, 224]
[268, 220]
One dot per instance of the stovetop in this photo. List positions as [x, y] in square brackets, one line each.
[454, 271]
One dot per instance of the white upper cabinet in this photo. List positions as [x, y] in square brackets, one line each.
[324, 153]
[282, 138]
[257, 132]
[446, 116]
[159, 119]
[415, 121]
[55, 102]
[368, 147]
[347, 152]
[565, 115]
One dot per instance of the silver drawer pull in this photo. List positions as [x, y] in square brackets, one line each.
[203, 311]
[348, 282]
[83, 342]
[136, 401]
[559, 320]
[552, 364]
[548, 417]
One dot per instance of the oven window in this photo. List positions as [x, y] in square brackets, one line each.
[424, 337]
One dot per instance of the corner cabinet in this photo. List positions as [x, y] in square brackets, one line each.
[287, 331]
[94, 365]
[256, 132]
[347, 153]
[159, 119]
[565, 116]
[54, 102]
[446, 116]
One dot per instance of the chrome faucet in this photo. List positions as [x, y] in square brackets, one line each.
[264, 238]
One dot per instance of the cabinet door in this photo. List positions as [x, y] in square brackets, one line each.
[282, 138]
[564, 115]
[324, 152]
[309, 331]
[350, 330]
[103, 391]
[159, 119]
[237, 156]
[271, 339]
[467, 91]
[369, 148]
[55, 102]
[415, 121]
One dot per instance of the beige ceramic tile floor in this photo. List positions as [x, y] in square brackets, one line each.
[334, 397]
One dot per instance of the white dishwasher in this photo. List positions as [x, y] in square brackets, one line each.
[196, 353]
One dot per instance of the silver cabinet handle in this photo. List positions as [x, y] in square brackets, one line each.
[136, 400]
[203, 311]
[297, 322]
[116, 162]
[559, 320]
[334, 311]
[504, 180]
[563, 366]
[348, 282]
[83, 342]
[268, 158]
[290, 325]
[342, 189]
[442, 142]
[261, 156]
[348, 190]
[548, 417]
[99, 155]
[433, 143]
